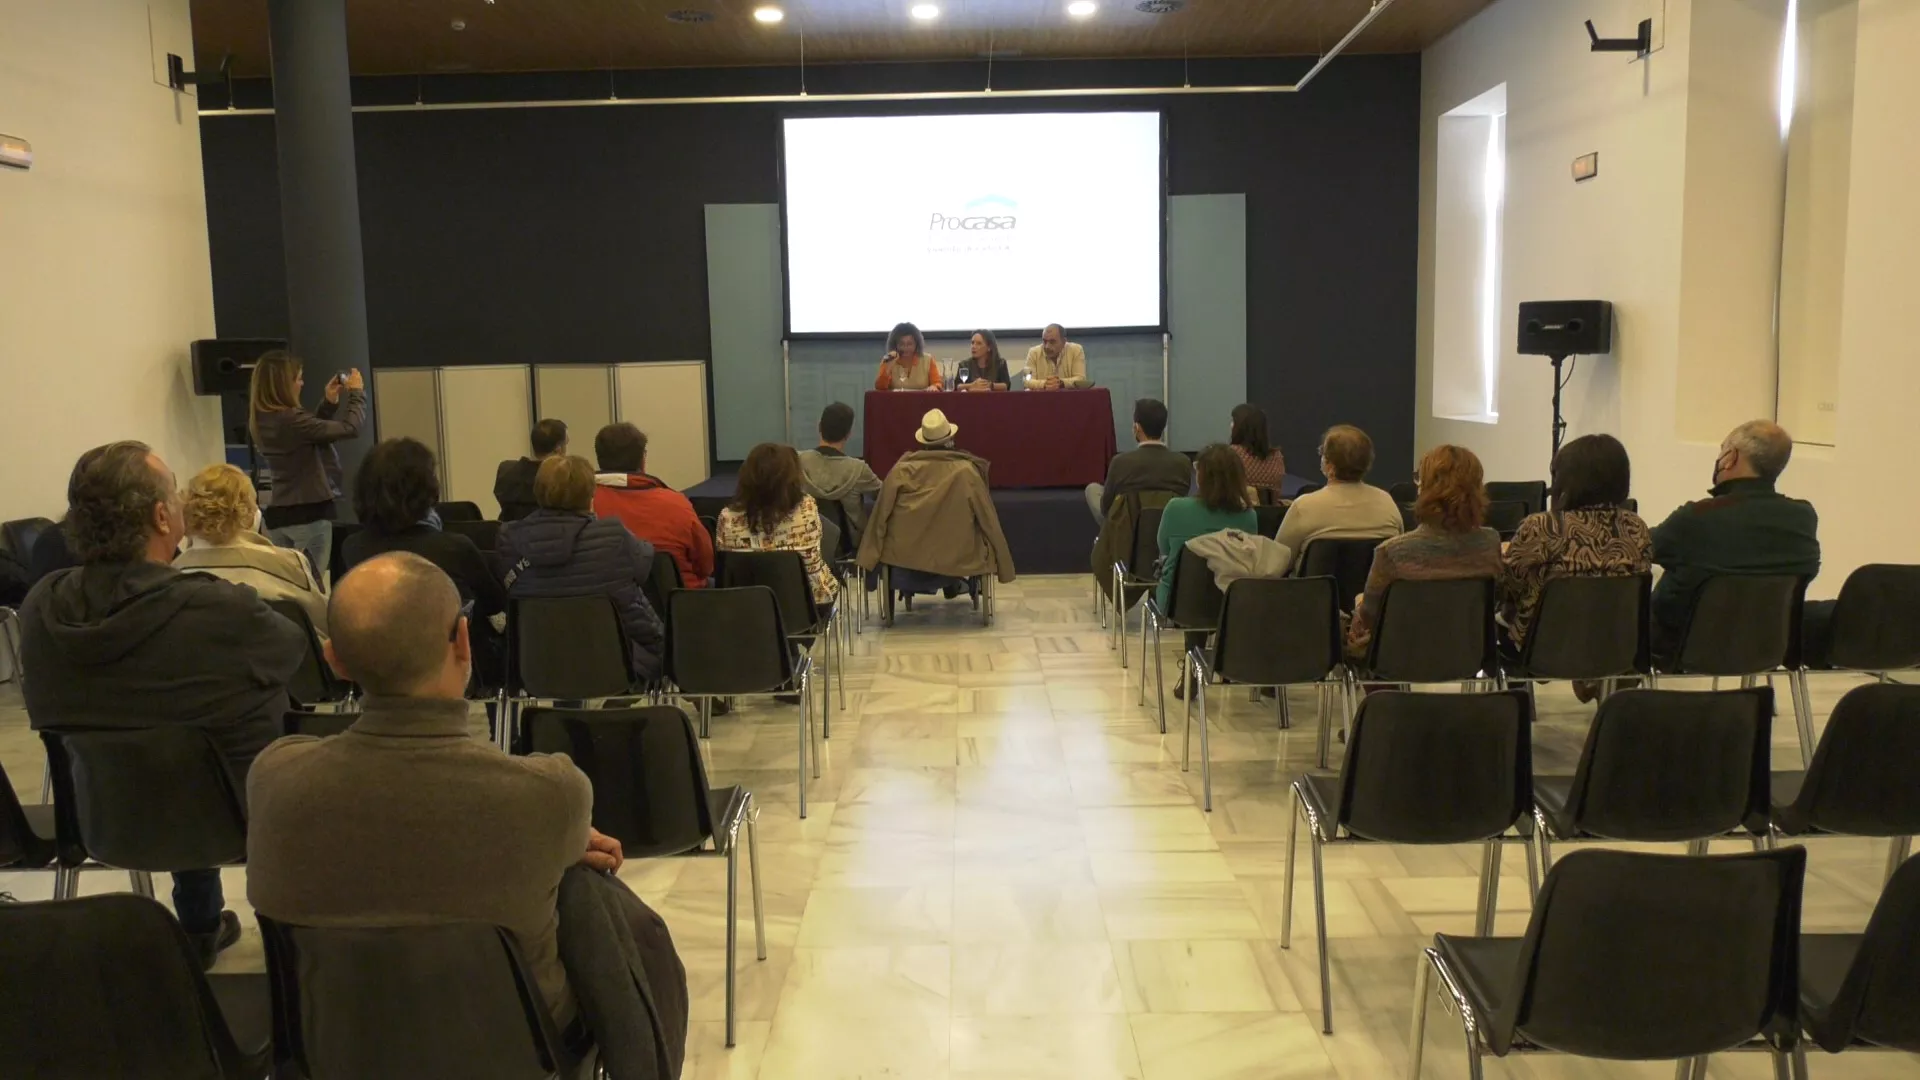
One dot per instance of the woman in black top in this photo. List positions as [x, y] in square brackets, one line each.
[394, 494]
[984, 369]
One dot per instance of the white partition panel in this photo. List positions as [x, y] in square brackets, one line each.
[486, 412]
[409, 400]
[668, 401]
[579, 396]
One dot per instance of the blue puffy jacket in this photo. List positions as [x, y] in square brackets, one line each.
[567, 554]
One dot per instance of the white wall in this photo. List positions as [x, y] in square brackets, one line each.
[1675, 231]
[104, 272]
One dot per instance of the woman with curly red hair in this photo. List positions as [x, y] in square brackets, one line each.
[1449, 543]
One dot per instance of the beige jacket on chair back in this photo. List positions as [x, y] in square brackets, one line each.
[935, 514]
[276, 573]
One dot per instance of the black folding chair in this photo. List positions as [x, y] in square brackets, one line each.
[10, 631]
[319, 725]
[1530, 493]
[397, 1002]
[314, 687]
[1505, 515]
[484, 534]
[1633, 957]
[452, 512]
[1135, 577]
[1195, 609]
[562, 648]
[1860, 782]
[26, 832]
[1587, 628]
[146, 801]
[337, 560]
[1433, 632]
[109, 986]
[1420, 769]
[979, 590]
[807, 623]
[1347, 562]
[1405, 492]
[846, 566]
[1662, 766]
[1862, 991]
[1747, 626]
[1268, 515]
[1876, 621]
[732, 643]
[650, 790]
[1274, 632]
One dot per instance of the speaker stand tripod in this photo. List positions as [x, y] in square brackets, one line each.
[1559, 421]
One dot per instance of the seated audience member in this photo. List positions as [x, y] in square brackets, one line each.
[1221, 503]
[907, 365]
[1056, 363]
[829, 475]
[406, 818]
[223, 539]
[1149, 466]
[1587, 533]
[394, 494]
[984, 369]
[935, 522]
[1450, 542]
[1266, 466]
[649, 508]
[513, 484]
[770, 512]
[124, 640]
[50, 552]
[1348, 508]
[1745, 527]
[561, 549]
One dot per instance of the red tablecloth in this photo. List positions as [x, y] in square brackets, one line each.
[1058, 438]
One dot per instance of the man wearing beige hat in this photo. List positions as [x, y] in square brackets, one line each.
[936, 517]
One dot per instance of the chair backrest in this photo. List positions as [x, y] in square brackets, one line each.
[662, 581]
[1276, 631]
[1505, 515]
[319, 724]
[1146, 542]
[1663, 765]
[1879, 1000]
[785, 572]
[484, 534]
[728, 641]
[829, 540]
[1876, 623]
[1347, 562]
[1267, 516]
[1743, 624]
[337, 561]
[1308, 489]
[567, 648]
[106, 986]
[649, 785]
[1860, 781]
[1590, 628]
[1438, 768]
[709, 506]
[157, 799]
[1405, 492]
[1634, 956]
[458, 511]
[1196, 599]
[19, 846]
[18, 537]
[1533, 493]
[835, 511]
[1433, 631]
[443, 999]
[313, 682]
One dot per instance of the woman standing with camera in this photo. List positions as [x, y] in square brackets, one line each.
[302, 465]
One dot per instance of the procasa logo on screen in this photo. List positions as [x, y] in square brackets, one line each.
[986, 213]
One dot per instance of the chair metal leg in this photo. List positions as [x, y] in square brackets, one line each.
[706, 718]
[1545, 843]
[1798, 1063]
[1691, 1068]
[1320, 932]
[1120, 619]
[1533, 868]
[1323, 739]
[733, 930]
[66, 882]
[1286, 896]
[1199, 692]
[1489, 887]
[753, 876]
[1697, 847]
[1186, 732]
[1802, 713]
[1280, 707]
[1422, 992]
[1782, 1069]
[142, 883]
[1897, 853]
[1159, 685]
[806, 706]
[46, 784]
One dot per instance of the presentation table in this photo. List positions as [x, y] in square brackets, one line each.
[1034, 438]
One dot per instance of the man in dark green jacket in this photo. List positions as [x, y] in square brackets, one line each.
[1745, 527]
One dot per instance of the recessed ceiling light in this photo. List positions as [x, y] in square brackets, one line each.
[689, 16]
[769, 14]
[925, 11]
[1080, 9]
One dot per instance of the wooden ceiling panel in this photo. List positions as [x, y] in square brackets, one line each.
[389, 37]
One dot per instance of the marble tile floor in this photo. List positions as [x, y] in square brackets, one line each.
[1005, 874]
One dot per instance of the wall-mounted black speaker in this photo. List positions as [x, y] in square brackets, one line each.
[225, 365]
[1566, 328]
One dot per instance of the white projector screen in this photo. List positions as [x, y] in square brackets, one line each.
[1006, 221]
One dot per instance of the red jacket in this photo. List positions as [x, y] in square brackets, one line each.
[662, 517]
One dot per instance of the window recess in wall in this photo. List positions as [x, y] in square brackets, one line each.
[1469, 205]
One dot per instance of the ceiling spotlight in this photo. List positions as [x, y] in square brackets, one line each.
[769, 14]
[1080, 9]
[458, 24]
[924, 12]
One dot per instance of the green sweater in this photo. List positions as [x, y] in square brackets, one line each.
[1184, 519]
[1745, 528]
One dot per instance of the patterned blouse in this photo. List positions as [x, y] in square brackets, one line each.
[1600, 541]
[1428, 553]
[799, 531]
[1263, 473]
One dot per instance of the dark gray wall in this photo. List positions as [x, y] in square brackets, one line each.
[562, 234]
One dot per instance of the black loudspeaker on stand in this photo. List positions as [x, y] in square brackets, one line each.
[1558, 330]
[223, 368]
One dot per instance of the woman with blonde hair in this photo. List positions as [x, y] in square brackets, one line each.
[296, 446]
[224, 540]
[1450, 542]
